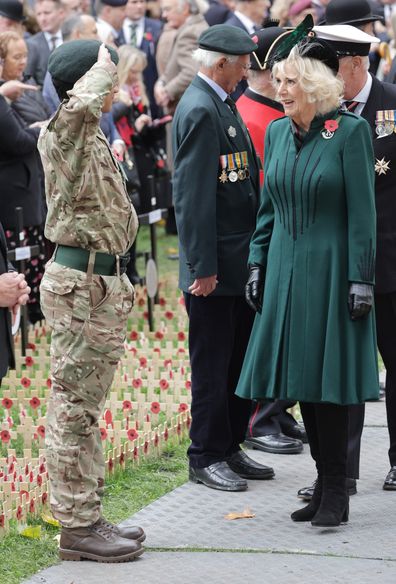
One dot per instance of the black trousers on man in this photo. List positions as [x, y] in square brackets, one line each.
[219, 332]
[270, 418]
[385, 314]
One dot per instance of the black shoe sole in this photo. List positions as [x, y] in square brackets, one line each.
[389, 487]
[258, 446]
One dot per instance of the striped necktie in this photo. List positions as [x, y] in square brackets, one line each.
[133, 40]
[351, 105]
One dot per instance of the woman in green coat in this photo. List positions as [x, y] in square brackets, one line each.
[312, 268]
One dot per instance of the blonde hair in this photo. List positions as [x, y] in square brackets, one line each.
[5, 39]
[132, 58]
[315, 78]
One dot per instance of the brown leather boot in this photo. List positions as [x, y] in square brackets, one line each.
[97, 542]
[127, 531]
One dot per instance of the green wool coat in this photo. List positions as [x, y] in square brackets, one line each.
[315, 234]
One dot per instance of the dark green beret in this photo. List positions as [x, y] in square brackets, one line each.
[73, 59]
[230, 40]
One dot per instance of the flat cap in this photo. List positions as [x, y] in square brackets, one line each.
[229, 40]
[267, 40]
[12, 9]
[353, 12]
[73, 59]
[346, 40]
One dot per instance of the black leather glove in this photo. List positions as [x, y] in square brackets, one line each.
[254, 287]
[360, 300]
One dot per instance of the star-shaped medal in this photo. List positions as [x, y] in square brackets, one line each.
[223, 177]
[381, 166]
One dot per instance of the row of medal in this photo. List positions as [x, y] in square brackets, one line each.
[234, 167]
[385, 122]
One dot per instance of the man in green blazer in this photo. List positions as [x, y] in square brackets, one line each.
[215, 189]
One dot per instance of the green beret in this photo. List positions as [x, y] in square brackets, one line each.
[73, 59]
[230, 40]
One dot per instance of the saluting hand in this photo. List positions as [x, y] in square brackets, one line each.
[103, 54]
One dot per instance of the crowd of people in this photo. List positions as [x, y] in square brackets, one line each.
[287, 251]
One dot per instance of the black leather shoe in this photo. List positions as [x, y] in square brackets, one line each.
[296, 431]
[248, 468]
[390, 480]
[218, 476]
[306, 493]
[275, 444]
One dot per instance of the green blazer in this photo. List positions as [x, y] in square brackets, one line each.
[215, 217]
[316, 233]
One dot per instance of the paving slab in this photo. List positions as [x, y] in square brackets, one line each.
[185, 525]
[224, 568]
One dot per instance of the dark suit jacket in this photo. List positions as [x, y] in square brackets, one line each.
[152, 32]
[19, 170]
[383, 97]
[6, 344]
[215, 219]
[38, 55]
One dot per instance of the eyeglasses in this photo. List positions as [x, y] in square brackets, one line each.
[245, 67]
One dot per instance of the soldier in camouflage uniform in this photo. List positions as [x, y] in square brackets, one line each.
[86, 296]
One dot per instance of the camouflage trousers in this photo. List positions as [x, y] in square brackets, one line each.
[88, 315]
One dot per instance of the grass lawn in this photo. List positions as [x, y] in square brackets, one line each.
[125, 494]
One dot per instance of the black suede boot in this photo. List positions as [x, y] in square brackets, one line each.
[334, 506]
[309, 511]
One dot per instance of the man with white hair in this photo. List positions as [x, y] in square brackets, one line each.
[215, 189]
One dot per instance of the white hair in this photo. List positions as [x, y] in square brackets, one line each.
[208, 59]
[316, 79]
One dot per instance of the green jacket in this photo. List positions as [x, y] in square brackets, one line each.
[315, 234]
[215, 219]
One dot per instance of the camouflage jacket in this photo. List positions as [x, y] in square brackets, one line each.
[88, 205]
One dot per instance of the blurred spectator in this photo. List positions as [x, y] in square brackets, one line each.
[11, 16]
[143, 139]
[110, 17]
[143, 33]
[72, 7]
[219, 11]
[77, 26]
[299, 10]
[20, 184]
[30, 106]
[280, 11]
[50, 15]
[184, 17]
[249, 16]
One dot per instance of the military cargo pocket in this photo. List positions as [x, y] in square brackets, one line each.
[57, 301]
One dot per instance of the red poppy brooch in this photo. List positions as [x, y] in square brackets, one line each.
[330, 127]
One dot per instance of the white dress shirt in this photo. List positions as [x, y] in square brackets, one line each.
[126, 27]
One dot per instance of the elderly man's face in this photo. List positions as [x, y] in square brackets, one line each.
[232, 73]
[173, 14]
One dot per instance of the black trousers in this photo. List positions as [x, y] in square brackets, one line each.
[327, 430]
[385, 311]
[270, 418]
[219, 331]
